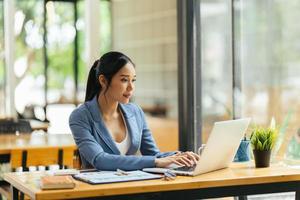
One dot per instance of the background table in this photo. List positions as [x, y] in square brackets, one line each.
[34, 140]
[38, 125]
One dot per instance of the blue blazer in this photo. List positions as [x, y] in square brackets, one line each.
[98, 149]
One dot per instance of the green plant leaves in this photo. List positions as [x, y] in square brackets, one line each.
[263, 139]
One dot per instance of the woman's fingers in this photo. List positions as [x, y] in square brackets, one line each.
[183, 160]
[192, 156]
[196, 156]
[179, 158]
[178, 163]
[191, 162]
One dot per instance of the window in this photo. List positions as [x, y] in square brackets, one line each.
[271, 68]
[67, 70]
[29, 64]
[216, 63]
[2, 66]
[249, 47]
[147, 32]
[56, 74]
[61, 35]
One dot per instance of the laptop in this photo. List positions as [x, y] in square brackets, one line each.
[219, 151]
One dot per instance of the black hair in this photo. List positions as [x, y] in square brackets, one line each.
[108, 65]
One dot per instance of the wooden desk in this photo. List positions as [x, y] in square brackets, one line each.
[238, 180]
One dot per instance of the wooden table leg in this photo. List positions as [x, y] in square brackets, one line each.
[241, 198]
[297, 195]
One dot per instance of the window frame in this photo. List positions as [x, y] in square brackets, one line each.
[189, 73]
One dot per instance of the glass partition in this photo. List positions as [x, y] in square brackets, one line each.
[2, 64]
[29, 65]
[147, 32]
[60, 49]
[266, 62]
[216, 63]
[271, 68]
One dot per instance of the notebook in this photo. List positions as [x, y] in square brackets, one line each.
[219, 151]
[100, 177]
[57, 182]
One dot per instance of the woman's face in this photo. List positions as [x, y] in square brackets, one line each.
[122, 84]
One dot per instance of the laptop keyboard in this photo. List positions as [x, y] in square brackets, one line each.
[186, 168]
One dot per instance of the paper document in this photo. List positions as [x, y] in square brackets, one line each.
[113, 176]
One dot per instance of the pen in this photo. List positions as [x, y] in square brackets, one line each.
[169, 175]
[88, 170]
[121, 172]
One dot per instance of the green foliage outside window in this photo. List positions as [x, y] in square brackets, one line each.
[60, 54]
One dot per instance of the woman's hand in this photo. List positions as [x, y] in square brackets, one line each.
[191, 156]
[181, 158]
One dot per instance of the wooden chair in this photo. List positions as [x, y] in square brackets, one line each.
[45, 156]
[42, 156]
[77, 163]
[4, 190]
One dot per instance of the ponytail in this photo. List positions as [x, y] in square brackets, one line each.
[93, 86]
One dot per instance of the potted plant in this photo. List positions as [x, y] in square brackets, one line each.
[262, 143]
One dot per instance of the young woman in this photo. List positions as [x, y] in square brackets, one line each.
[112, 133]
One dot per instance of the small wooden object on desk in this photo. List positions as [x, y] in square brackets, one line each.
[57, 182]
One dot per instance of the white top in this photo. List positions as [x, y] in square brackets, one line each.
[125, 144]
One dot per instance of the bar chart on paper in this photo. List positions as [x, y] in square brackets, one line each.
[100, 177]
